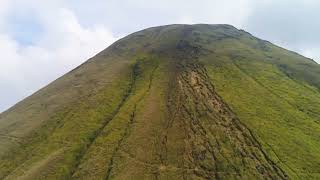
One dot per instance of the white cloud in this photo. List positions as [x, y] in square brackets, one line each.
[133, 15]
[313, 53]
[288, 23]
[64, 44]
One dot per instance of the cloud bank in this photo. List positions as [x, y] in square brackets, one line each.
[57, 46]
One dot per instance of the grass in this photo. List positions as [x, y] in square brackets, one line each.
[69, 131]
[282, 111]
[144, 109]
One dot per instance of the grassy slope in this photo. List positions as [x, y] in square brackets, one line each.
[80, 105]
[100, 157]
[87, 80]
[282, 111]
[66, 135]
[109, 117]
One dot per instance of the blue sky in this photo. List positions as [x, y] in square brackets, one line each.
[25, 28]
[42, 40]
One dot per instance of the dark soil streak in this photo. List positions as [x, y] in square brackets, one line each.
[126, 134]
[99, 131]
[202, 110]
[132, 117]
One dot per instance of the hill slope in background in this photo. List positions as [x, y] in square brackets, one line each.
[172, 102]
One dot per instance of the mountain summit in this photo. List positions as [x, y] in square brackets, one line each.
[172, 102]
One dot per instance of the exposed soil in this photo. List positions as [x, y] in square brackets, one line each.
[217, 144]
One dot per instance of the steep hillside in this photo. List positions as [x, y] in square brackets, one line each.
[172, 102]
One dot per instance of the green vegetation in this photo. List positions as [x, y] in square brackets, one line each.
[172, 102]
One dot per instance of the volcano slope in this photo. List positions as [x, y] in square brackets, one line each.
[172, 102]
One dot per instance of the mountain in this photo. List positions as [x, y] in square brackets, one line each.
[172, 102]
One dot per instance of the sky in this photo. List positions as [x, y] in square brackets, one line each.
[42, 40]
